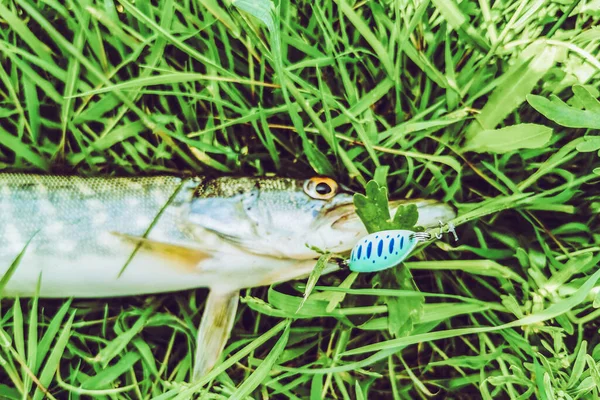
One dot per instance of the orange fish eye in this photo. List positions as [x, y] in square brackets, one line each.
[320, 188]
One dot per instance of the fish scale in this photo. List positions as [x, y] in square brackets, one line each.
[71, 216]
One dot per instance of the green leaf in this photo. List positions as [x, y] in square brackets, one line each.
[106, 355]
[336, 298]
[578, 365]
[381, 174]
[406, 217]
[262, 372]
[9, 393]
[591, 143]
[33, 108]
[261, 9]
[21, 28]
[510, 138]
[314, 276]
[367, 33]
[459, 21]
[470, 362]
[513, 87]
[106, 377]
[403, 311]
[558, 111]
[596, 303]
[316, 387]
[53, 362]
[13, 266]
[359, 395]
[586, 98]
[222, 15]
[22, 150]
[373, 210]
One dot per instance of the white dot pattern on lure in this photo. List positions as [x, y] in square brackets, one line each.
[382, 250]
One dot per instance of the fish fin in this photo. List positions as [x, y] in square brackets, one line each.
[215, 328]
[175, 253]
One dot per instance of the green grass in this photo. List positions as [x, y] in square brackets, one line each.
[440, 99]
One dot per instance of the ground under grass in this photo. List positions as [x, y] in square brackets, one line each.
[490, 106]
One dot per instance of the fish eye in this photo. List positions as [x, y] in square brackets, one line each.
[320, 188]
[323, 188]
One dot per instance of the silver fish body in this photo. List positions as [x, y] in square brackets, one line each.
[70, 221]
[98, 237]
[75, 249]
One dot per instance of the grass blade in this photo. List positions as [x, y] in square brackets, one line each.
[53, 361]
[263, 370]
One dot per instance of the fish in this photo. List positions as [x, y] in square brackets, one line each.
[100, 237]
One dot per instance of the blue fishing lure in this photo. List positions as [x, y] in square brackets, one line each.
[382, 250]
[387, 249]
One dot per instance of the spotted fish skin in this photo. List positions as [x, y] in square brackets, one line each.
[72, 216]
[72, 222]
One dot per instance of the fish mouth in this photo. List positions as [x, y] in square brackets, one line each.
[431, 212]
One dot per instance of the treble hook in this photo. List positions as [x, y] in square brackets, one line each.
[441, 232]
[451, 229]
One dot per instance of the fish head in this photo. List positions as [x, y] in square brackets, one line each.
[282, 217]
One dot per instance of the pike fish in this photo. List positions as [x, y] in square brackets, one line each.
[106, 237]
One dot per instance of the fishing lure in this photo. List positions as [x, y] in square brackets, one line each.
[386, 249]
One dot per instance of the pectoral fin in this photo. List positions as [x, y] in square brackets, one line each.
[175, 254]
[215, 327]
